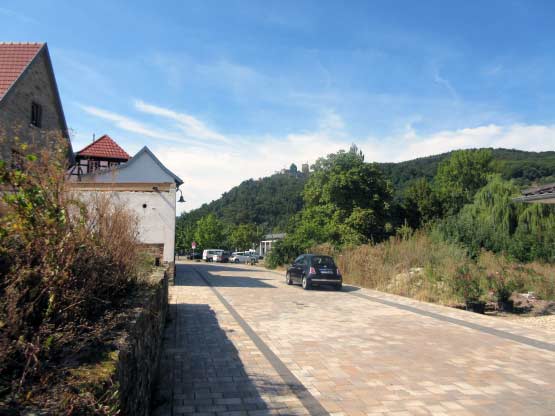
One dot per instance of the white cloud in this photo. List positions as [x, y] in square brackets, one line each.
[209, 166]
[134, 126]
[190, 125]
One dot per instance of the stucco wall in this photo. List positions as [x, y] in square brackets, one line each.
[15, 109]
[156, 219]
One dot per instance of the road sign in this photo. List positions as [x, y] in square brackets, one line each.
[193, 245]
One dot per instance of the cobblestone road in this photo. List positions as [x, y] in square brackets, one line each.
[242, 342]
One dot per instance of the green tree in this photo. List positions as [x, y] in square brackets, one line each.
[209, 232]
[461, 176]
[243, 236]
[421, 203]
[352, 197]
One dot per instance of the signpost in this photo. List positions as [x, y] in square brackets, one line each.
[193, 246]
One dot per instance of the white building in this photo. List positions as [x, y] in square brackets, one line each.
[269, 240]
[145, 186]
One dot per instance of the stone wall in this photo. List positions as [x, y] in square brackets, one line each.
[139, 354]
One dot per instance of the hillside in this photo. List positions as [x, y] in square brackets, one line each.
[271, 201]
[524, 167]
[268, 202]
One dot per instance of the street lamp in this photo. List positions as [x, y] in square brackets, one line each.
[181, 199]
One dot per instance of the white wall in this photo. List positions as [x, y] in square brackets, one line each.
[156, 221]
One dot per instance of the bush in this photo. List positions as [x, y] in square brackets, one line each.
[63, 263]
[283, 252]
[428, 268]
[493, 221]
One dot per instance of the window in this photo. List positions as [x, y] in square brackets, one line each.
[94, 165]
[36, 114]
[323, 261]
[299, 260]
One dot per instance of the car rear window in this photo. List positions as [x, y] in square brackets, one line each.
[323, 261]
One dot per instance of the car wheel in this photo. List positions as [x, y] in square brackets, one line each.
[236, 261]
[306, 283]
[338, 287]
[288, 279]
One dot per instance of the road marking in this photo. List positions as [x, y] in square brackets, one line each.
[491, 331]
[306, 398]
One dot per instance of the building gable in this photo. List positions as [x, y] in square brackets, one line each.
[34, 86]
[144, 167]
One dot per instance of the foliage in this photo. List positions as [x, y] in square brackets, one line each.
[352, 196]
[209, 232]
[495, 222]
[346, 202]
[525, 167]
[63, 264]
[283, 252]
[244, 236]
[426, 267]
[466, 285]
[421, 203]
[275, 203]
[460, 177]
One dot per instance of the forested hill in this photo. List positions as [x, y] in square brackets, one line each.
[270, 202]
[524, 167]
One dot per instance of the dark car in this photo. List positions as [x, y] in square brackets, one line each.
[313, 270]
[195, 255]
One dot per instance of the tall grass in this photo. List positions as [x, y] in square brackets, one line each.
[425, 267]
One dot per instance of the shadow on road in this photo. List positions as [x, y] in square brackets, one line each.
[218, 276]
[201, 370]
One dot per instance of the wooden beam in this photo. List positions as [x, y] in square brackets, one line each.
[121, 186]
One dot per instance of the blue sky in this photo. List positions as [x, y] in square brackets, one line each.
[223, 91]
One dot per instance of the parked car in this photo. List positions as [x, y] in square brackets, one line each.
[221, 257]
[240, 257]
[208, 254]
[197, 255]
[313, 270]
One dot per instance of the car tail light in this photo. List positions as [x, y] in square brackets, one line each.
[338, 272]
[312, 271]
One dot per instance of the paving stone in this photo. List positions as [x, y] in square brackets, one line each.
[355, 352]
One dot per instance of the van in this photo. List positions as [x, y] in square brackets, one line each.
[221, 256]
[208, 255]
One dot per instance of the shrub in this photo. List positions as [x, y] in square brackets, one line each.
[63, 263]
[467, 285]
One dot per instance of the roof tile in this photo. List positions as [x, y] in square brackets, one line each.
[104, 147]
[14, 58]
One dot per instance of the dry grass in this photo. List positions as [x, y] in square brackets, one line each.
[429, 269]
[65, 263]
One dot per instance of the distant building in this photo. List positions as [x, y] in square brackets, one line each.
[143, 184]
[544, 194]
[305, 168]
[30, 105]
[101, 154]
[268, 241]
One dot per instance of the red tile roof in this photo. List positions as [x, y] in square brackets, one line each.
[105, 147]
[14, 58]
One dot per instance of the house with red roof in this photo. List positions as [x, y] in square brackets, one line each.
[101, 154]
[30, 105]
[140, 183]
